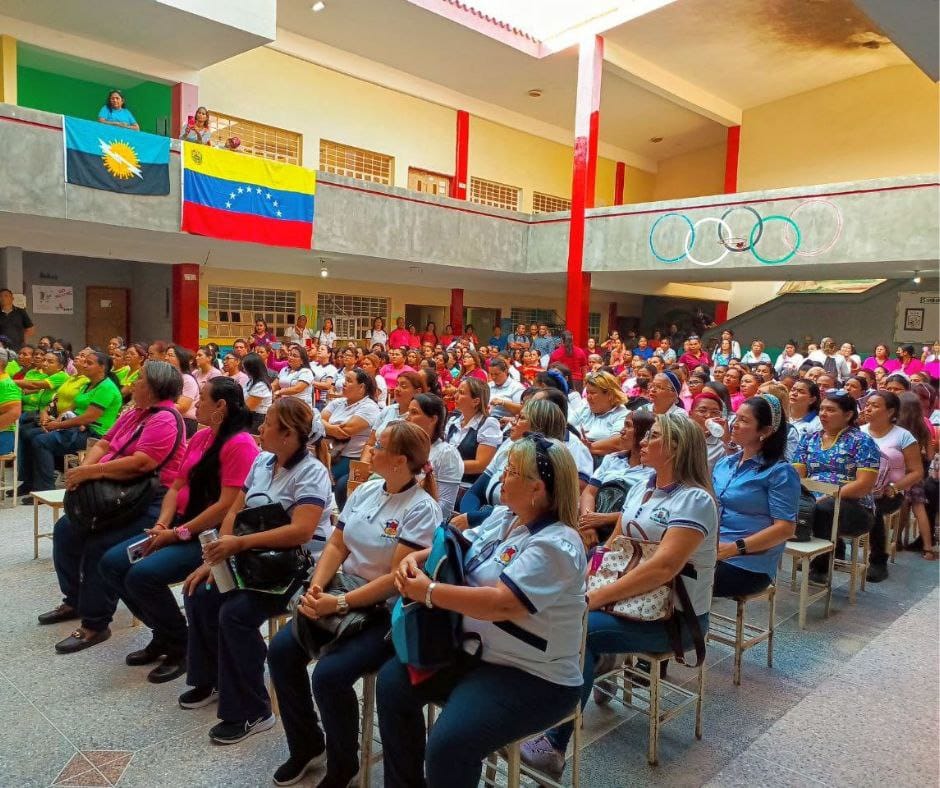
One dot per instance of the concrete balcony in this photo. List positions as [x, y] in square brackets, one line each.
[878, 228]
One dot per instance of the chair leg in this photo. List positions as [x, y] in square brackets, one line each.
[738, 642]
[576, 755]
[35, 529]
[804, 591]
[653, 750]
[793, 573]
[853, 571]
[700, 701]
[489, 775]
[772, 604]
[514, 765]
[365, 734]
[866, 558]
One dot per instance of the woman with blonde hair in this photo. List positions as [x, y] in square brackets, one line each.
[676, 509]
[602, 419]
[525, 567]
[472, 431]
[384, 521]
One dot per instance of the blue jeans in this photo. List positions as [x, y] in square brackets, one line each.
[332, 686]
[7, 439]
[29, 429]
[487, 706]
[45, 447]
[340, 470]
[77, 559]
[609, 634]
[144, 587]
[225, 648]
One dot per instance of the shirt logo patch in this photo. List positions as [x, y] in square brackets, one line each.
[506, 556]
[390, 531]
[660, 515]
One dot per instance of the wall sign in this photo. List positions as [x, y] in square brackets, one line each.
[917, 318]
[53, 300]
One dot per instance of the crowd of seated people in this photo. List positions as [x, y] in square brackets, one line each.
[352, 452]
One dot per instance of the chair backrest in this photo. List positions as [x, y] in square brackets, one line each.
[825, 488]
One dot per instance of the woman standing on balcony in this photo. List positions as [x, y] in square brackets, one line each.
[115, 113]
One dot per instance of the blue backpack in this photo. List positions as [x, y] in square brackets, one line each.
[427, 639]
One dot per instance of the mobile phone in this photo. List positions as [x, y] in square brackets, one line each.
[275, 346]
[191, 120]
[136, 551]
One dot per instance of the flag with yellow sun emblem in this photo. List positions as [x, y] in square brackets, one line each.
[115, 159]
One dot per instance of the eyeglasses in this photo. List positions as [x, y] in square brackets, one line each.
[378, 446]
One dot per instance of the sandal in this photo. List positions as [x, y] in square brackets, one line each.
[929, 555]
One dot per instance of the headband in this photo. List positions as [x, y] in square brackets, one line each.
[709, 395]
[776, 412]
[674, 380]
[555, 375]
[317, 431]
[543, 462]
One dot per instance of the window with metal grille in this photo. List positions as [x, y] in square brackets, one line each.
[538, 316]
[234, 310]
[499, 195]
[364, 165]
[594, 325]
[257, 139]
[547, 203]
[352, 315]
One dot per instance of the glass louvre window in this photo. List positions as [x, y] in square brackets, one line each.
[499, 195]
[257, 139]
[547, 203]
[352, 315]
[364, 165]
[594, 325]
[234, 310]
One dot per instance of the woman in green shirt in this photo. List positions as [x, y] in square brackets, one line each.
[94, 411]
[134, 358]
[40, 384]
[10, 404]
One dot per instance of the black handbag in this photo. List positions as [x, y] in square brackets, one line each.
[805, 517]
[609, 499]
[101, 505]
[265, 569]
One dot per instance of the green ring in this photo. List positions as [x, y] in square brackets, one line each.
[787, 257]
[653, 230]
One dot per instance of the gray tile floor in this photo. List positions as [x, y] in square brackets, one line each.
[850, 701]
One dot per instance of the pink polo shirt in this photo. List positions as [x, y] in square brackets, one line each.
[155, 440]
[235, 461]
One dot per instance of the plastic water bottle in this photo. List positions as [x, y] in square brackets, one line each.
[714, 428]
[220, 571]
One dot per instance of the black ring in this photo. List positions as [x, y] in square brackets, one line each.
[753, 243]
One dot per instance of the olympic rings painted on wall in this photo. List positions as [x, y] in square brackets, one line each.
[690, 240]
[789, 255]
[838, 233]
[760, 230]
[684, 218]
[793, 235]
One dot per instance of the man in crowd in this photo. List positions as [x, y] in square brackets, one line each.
[505, 393]
[240, 348]
[695, 356]
[544, 343]
[498, 340]
[15, 323]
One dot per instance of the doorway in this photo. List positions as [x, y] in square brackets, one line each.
[106, 314]
[420, 314]
[482, 321]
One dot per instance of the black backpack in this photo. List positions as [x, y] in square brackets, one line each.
[805, 517]
[609, 499]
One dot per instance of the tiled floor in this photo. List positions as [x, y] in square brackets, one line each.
[850, 701]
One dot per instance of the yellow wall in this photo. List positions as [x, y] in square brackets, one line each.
[639, 185]
[881, 124]
[280, 90]
[692, 174]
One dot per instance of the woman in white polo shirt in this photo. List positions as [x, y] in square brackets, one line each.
[474, 433]
[602, 419]
[430, 414]
[675, 508]
[296, 379]
[348, 422]
[384, 520]
[524, 598]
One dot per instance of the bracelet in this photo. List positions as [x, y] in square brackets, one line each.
[427, 596]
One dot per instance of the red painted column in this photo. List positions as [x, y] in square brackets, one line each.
[586, 124]
[184, 100]
[186, 305]
[721, 312]
[731, 159]
[458, 187]
[620, 180]
[456, 310]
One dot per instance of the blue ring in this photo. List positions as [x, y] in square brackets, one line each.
[787, 257]
[691, 243]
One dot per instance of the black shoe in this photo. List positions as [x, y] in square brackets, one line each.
[332, 781]
[26, 500]
[19, 492]
[818, 576]
[147, 655]
[172, 667]
[79, 641]
[62, 613]
[198, 697]
[876, 573]
[295, 768]
[232, 732]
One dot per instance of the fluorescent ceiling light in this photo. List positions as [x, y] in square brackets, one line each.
[318, 6]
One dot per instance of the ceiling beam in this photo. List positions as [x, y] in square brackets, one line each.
[628, 65]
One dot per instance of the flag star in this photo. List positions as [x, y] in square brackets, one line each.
[241, 190]
[278, 214]
[228, 205]
[275, 204]
[257, 191]
[267, 196]
[232, 196]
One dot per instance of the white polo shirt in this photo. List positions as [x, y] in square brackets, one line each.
[385, 418]
[306, 482]
[374, 522]
[290, 377]
[678, 506]
[617, 466]
[581, 454]
[262, 391]
[488, 430]
[340, 411]
[448, 470]
[322, 373]
[511, 390]
[544, 566]
[596, 428]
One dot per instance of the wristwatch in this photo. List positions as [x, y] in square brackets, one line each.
[742, 547]
[342, 606]
[183, 533]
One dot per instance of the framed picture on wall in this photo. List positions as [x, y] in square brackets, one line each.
[913, 319]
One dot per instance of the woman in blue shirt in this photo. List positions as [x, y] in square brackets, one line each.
[758, 494]
[114, 113]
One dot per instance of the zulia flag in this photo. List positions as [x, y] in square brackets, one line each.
[114, 159]
[240, 197]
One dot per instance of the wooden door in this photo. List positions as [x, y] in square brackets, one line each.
[106, 314]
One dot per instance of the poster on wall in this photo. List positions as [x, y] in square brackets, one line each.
[917, 318]
[52, 300]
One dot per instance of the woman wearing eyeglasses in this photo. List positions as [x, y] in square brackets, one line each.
[707, 410]
[524, 598]
[664, 392]
[674, 508]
